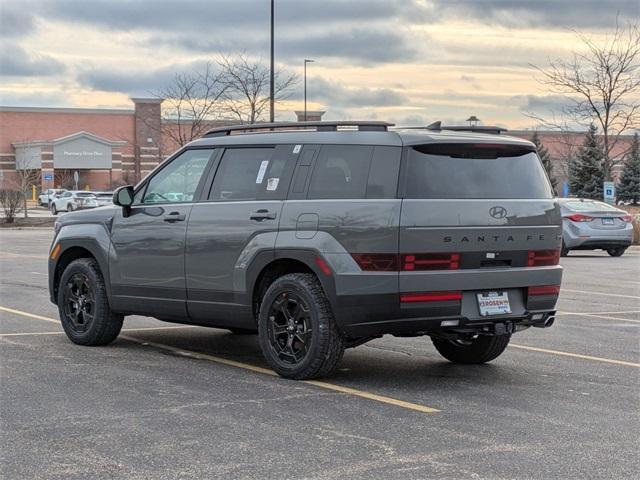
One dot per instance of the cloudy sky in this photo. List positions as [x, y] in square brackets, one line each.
[408, 61]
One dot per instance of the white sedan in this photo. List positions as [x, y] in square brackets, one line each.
[73, 200]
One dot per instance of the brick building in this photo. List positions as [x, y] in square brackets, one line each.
[109, 147]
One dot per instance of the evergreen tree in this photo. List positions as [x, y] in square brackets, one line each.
[629, 187]
[585, 170]
[545, 157]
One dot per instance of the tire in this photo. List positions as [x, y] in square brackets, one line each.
[481, 349]
[616, 251]
[69, 208]
[242, 331]
[84, 309]
[564, 251]
[304, 342]
[54, 210]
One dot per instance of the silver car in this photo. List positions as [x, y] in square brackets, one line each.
[590, 225]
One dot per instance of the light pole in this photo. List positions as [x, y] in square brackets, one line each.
[271, 75]
[306, 60]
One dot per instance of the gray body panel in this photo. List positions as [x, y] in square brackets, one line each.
[203, 270]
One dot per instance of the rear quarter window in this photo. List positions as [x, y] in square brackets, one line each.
[341, 171]
[466, 171]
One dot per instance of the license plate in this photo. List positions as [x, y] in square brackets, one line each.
[493, 303]
[607, 221]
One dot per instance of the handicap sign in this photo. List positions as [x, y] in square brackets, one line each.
[48, 177]
[609, 192]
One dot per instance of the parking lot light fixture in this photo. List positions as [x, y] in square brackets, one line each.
[306, 60]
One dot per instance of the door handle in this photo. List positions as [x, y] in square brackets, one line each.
[174, 217]
[262, 214]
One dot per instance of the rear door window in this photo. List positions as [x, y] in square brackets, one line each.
[244, 173]
[341, 171]
[463, 171]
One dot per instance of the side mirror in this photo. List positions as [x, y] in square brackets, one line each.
[123, 197]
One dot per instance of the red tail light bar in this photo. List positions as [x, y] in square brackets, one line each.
[431, 296]
[543, 258]
[626, 218]
[543, 290]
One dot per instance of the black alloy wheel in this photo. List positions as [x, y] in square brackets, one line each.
[79, 302]
[289, 328]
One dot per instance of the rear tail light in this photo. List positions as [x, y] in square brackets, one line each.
[578, 217]
[444, 296]
[387, 262]
[377, 262]
[431, 261]
[543, 290]
[626, 218]
[543, 258]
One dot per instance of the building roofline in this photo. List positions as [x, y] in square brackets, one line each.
[146, 100]
[66, 138]
[86, 111]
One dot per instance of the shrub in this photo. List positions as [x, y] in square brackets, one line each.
[12, 202]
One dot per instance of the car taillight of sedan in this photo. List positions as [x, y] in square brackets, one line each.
[577, 217]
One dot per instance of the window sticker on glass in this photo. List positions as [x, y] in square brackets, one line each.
[272, 184]
[262, 171]
[297, 148]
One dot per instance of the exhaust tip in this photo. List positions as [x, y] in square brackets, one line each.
[549, 321]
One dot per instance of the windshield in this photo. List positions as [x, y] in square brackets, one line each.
[475, 171]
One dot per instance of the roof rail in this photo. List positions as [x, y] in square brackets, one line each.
[465, 128]
[331, 126]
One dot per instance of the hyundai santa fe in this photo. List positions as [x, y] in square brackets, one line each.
[323, 236]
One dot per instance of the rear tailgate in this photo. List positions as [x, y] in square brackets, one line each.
[469, 246]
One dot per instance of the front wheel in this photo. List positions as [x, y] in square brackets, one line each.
[69, 208]
[480, 349]
[297, 330]
[84, 310]
[616, 251]
[54, 210]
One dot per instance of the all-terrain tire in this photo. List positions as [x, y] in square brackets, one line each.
[616, 251]
[104, 325]
[326, 345]
[481, 349]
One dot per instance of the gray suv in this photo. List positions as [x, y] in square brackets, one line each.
[321, 237]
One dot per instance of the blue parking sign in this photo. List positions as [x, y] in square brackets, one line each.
[48, 177]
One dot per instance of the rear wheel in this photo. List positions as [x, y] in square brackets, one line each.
[54, 210]
[69, 208]
[564, 251]
[84, 310]
[297, 330]
[480, 349]
[616, 251]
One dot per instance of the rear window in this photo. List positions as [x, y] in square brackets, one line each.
[83, 194]
[590, 206]
[475, 171]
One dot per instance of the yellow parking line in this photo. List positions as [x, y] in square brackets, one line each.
[246, 366]
[576, 355]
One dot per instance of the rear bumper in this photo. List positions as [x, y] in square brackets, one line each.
[360, 314]
[587, 238]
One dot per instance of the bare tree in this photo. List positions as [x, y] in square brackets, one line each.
[247, 92]
[27, 176]
[191, 102]
[602, 86]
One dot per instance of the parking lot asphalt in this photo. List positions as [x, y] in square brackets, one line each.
[171, 401]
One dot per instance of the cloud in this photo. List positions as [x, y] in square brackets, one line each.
[539, 14]
[15, 61]
[33, 99]
[332, 93]
[16, 20]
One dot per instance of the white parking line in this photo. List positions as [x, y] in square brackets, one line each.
[590, 292]
[597, 316]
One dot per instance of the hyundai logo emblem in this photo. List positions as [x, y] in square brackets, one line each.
[498, 212]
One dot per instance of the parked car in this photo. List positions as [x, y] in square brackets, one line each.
[104, 198]
[591, 225]
[73, 200]
[321, 239]
[44, 199]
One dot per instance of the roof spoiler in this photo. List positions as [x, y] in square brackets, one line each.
[325, 126]
[436, 126]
